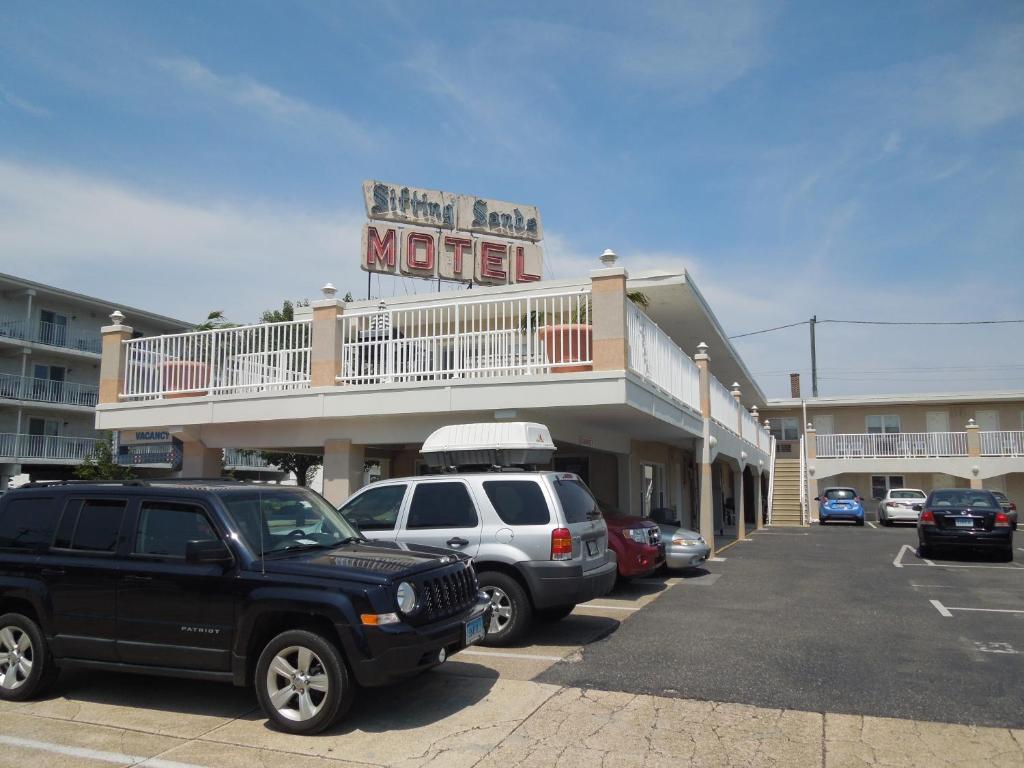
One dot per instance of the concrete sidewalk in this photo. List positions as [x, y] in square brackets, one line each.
[457, 722]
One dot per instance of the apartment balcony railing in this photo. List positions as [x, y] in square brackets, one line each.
[52, 334]
[892, 445]
[162, 455]
[659, 360]
[56, 447]
[1002, 443]
[252, 358]
[14, 387]
[237, 458]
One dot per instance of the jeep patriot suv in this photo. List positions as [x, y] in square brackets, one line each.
[220, 580]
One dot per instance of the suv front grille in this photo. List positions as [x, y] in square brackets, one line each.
[449, 592]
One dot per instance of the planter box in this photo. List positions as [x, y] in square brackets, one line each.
[567, 343]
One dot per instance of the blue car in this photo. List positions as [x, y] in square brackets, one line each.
[840, 504]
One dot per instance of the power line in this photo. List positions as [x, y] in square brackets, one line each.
[769, 330]
[882, 322]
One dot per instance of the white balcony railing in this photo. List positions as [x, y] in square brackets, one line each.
[723, 405]
[251, 358]
[55, 447]
[47, 391]
[1002, 443]
[892, 445]
[477, 338]
[659, 360]
[51, 334]
[750, 429]
[237, 458]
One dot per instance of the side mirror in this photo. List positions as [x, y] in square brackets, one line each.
[207, 551]
[917, 508]
[860, 498]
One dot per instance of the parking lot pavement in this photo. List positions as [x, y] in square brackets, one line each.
[830, 620]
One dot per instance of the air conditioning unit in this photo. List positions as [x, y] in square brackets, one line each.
[508, 444]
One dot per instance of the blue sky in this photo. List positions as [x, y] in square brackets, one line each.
[854, 160]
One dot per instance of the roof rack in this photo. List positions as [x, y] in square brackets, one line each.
[133, 483]
[53, 483]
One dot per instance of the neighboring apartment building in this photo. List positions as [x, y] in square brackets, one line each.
[50, 352]
[878, 442]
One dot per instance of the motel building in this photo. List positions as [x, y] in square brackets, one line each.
[645, 397]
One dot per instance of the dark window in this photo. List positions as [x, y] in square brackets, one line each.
[518, 502]
[441, 505]
[165, 528]
[840, 494]
[962, 498]
[376, 509]
[99, 522]
[28, 524]
[578, 503]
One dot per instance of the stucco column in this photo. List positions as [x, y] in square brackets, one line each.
[707, 509]
[343, 469]
[608, 319]
[758, 439]
[325, 344]
[738, 504]
[737, 395]
[811, 447]
[199, 461]
[974, 450]
[758, 501]
[112, 362]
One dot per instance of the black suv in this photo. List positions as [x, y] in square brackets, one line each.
[220, 580]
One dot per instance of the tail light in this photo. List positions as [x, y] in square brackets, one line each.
[561, 544]
[1013, 506]
[927, 518]
[1002, 520]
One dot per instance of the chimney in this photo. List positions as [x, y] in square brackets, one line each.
[794, 386]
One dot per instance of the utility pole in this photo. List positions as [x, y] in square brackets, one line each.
[814, 360]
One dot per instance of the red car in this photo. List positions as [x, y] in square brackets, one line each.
[637, 543]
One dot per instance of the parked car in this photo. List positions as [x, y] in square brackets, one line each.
[897, 506]
[684, 548]
[636, 542]
[1009, 507]
[218, 580]
[963, 518]
[840, 504]
[537, 539]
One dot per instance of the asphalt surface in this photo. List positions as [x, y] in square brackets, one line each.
[821, 619]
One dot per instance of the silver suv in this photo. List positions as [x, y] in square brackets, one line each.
[537, 539]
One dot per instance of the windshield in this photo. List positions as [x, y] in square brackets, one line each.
[906, 494]
[834, 494]
[281, 519]
[578, 503]
[957, 498]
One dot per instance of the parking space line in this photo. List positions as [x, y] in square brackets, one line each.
[505, 655]
[93, 754]
[941, 609]
[944, 610]
[898, 560]
[716, 559]
[870, 523]
[601, 606]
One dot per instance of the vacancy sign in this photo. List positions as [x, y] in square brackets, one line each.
[429, 233]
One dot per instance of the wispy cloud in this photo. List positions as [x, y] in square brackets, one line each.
[263, 100]
[11, 99]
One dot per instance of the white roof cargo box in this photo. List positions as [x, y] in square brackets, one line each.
[506, 444]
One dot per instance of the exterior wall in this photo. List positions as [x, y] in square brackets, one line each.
[676, 479]
[849, 419]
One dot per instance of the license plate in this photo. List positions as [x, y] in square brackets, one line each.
[964, 522]
[475, 630]
[592, 548]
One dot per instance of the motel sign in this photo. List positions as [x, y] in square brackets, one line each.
[433, 234]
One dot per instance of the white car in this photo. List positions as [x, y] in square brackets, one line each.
[898, 505]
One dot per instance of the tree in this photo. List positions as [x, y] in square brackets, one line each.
[213, 321]
[100, 463]
[303, 465]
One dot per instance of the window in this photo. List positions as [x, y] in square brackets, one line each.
[882, 484]
[578, 503]
[518, 502]
[28, 524]
[784, 428]
[840, 494]
[165, 528]
[907, 495]
[92, 526]
[441, 505]
[962, 498]
[885, 424]
[376, 509]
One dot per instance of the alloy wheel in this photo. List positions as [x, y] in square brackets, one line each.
[297, 683]
[501, 609]
[16, 657]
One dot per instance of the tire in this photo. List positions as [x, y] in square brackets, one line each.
[1007, 554]
[821, 521]
[511, 611]
[31, 670]
[555, 614]
[307, 709]
[860, 522]
[923, 550]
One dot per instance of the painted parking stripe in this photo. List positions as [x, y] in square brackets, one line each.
[941, 609]
[871, 524]
[602, 606]
[945, 610]
[716, 559]
[505, 655]
[93, 754]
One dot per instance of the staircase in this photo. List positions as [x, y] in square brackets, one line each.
[785, 510]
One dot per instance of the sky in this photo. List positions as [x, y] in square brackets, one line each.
[846, 160]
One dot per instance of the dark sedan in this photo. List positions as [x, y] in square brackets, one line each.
[963, 518]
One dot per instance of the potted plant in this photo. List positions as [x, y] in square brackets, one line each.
[568, 343]
[189, 378]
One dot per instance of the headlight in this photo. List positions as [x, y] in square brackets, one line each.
[639, 535]
[406, 598]
[688, 542]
